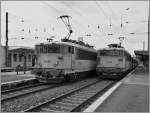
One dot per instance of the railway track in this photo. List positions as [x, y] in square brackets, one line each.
[21, 88]
[20, 92]
[8, 95]
[73, 101]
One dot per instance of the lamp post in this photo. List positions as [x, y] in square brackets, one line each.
[121, 38]
[148, 28]
[6, 48]
[122, 17]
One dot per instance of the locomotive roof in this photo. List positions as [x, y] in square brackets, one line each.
[70, 44]
[107, 48]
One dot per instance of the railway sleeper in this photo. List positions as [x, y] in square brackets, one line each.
[76, 99]
[48, 110]
[66, 104]
[60, 108]
[80, 96]
[70, 101]
[85, 94]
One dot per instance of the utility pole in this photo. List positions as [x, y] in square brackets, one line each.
[148, 26]
[121, 38]
[6, 48]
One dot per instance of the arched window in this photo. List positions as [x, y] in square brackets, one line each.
[15, 57]
[29, 57]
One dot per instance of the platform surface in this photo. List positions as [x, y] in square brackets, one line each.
[12, 76]
[131, 96]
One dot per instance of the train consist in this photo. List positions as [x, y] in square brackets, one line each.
[69, 60]
[65, 60]
[114, 62]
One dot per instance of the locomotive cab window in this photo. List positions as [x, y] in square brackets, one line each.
[111, 53]
[71, 49]
[48, 48]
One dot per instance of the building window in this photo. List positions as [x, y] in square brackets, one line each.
[15, 57]
[20, 58]
[69, 49]
[29, 57]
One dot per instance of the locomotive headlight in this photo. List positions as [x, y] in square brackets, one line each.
[56, 64]
[60, 57]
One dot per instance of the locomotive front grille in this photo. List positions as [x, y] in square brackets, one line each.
[49, 73]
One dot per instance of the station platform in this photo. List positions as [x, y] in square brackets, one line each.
[12, 76]
[130, 95]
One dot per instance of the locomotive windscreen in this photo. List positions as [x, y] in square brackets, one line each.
[111, 53]
[47, 48]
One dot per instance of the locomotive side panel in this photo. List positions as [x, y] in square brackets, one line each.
[85, 65]
[85, 60]
[128, 61]
[78, 60]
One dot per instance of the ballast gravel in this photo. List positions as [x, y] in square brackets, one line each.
[23, 91]
[23, 103]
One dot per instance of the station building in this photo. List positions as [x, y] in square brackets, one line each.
[2, 56]
[18, 55]
[143, 57]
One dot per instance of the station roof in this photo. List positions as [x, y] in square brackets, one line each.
[21, 49]
[143, 53]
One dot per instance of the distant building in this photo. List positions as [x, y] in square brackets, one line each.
[18, 55]
[2, 56]
[143, 57]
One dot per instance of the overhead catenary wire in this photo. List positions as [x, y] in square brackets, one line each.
[60, 13]
[82, 26]
[83, 15]
[108, 18]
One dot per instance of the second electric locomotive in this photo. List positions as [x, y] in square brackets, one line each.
[113, 62]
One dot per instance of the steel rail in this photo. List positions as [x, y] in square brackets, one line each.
[20, 88]
[78, 108]
[59, 97]
[30, 92]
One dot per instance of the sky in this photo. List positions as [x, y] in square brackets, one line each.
[30, 19]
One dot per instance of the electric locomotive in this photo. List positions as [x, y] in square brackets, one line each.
[113, 62]
[65, 60]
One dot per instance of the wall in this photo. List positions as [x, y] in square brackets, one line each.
[2, 56]
[21, 63]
